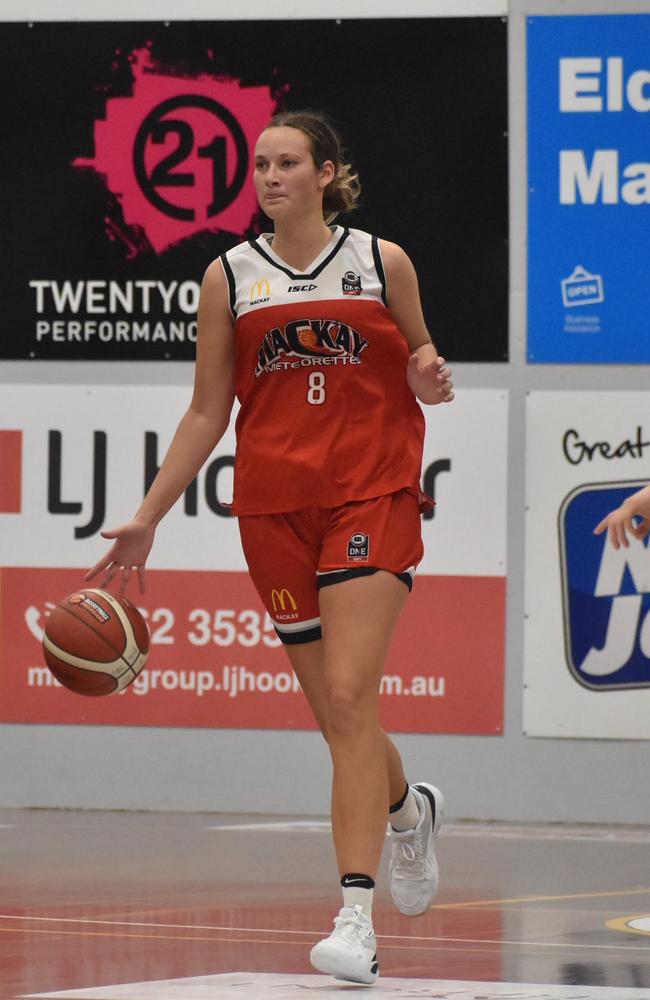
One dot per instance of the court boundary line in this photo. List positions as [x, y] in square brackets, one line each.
[318, 934]
[541, 899]
[270, 930]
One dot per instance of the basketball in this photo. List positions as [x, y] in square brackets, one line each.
[95, 643]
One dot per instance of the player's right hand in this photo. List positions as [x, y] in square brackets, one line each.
[128, 552]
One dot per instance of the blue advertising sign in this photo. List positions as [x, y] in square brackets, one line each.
[605, 593]
[589, 189]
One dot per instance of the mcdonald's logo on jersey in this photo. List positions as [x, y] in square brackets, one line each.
[260, 292]
[282, 600]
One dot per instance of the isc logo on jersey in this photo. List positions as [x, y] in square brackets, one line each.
[605, 593]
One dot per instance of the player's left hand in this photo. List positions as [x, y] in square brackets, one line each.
[430, 382]
[443, 378]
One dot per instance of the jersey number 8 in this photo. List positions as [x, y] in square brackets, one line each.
[316, 391]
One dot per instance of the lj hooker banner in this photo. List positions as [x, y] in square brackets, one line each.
[128, 154]
[589, 188]
[76, 460]
[587, 648]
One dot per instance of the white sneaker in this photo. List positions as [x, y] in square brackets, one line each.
[413, 866]
[350, 952]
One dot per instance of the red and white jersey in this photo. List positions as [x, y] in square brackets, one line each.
[326, 412]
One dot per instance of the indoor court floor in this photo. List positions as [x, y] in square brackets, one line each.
[177, 906]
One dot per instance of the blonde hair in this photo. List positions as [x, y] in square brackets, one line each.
[344, 190]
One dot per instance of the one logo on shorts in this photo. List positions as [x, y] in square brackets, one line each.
[359, 547]
[351, 283]
[281, 601]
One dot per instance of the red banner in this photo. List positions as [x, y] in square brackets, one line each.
[216, 661]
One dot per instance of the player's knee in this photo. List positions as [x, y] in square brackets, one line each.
[348, 712]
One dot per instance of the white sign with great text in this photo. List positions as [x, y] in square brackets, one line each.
[587, 626]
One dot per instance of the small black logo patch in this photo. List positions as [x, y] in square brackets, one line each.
[351, 283]
[302, 288]
[359, 547]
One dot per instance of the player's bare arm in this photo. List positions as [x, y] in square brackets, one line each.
[206, 419]
[199, 431]
[632, 517]
[427, 373]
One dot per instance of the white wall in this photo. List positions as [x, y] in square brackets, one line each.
[196, 10]
[511, 778]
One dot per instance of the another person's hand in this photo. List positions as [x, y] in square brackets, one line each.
[129, 552]
[631, 518]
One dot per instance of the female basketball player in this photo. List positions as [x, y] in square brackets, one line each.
[319, 332]
[632, 517]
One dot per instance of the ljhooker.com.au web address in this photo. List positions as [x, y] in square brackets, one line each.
[234, 681]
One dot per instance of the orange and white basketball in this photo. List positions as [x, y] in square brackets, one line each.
[95, 643]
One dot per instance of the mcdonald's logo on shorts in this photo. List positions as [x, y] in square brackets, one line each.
[260, 292]
[282, 601]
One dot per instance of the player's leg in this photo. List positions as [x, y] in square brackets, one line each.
[282, 553]
[359, 606]
[386, 532]
[307, 661]
[357, 618]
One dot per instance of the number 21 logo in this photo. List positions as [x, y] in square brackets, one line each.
[189, 129]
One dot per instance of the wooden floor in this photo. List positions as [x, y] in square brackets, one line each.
[91, 901]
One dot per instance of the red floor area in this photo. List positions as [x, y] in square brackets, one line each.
[93, 899]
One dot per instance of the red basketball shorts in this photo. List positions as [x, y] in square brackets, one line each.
[292, 556]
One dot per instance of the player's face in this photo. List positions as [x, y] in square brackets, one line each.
[286, 178]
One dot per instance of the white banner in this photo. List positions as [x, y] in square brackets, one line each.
[587, 626]
[87, 453]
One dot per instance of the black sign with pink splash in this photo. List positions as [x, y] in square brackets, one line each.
[126, 169]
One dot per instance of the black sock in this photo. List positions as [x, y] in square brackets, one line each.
[362, 881]
[398, 805]
[358, 891]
